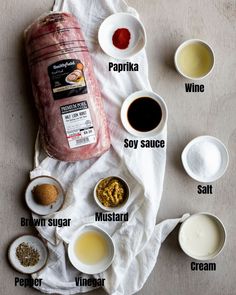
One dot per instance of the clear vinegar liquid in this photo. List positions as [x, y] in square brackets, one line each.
[91, 247]
[195, 60]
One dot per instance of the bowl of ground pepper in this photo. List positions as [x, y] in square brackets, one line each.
[122, 35]
[111, 193]
[27, 254]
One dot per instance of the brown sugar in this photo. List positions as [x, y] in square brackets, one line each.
[45, 194]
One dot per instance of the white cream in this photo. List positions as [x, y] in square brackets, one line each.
[201, 236]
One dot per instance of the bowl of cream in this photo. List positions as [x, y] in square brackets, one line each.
[194, 59]
[202, 236]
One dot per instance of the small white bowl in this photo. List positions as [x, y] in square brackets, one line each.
[91, 268]
[224, 156]
[117, 21]
[113, 209]
[132, 98]
[190, 252]
[36, 244]
[41, 209]
[186, 43]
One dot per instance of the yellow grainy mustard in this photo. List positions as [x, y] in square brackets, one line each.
[111, 192]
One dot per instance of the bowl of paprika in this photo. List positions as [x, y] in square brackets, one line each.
[122, 35]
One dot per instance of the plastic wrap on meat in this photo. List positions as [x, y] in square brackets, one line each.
[73, 123]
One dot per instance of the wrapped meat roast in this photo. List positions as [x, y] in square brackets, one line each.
[73, 124]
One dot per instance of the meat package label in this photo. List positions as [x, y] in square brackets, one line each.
[67, 78]
[78, 124]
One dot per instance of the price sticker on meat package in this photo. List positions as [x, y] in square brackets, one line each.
[78, 124]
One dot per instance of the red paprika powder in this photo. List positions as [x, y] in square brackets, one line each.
[121, 38]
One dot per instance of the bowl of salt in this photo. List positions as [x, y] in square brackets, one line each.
[205, 158]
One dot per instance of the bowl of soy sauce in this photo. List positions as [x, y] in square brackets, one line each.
[144, 114]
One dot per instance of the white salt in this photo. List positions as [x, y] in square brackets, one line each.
[204, 159]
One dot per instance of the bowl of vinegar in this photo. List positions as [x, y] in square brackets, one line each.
[91, 249]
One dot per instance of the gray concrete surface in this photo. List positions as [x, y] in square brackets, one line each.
[168, 23]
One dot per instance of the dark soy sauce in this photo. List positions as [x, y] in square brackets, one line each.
[144, 114]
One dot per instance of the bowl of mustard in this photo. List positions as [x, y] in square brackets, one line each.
[111, 193]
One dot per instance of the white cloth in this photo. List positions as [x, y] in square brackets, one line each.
[138, 240]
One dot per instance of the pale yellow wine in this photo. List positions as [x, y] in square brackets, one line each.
[195, 60]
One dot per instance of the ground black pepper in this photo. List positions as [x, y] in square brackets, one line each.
[27, 255]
